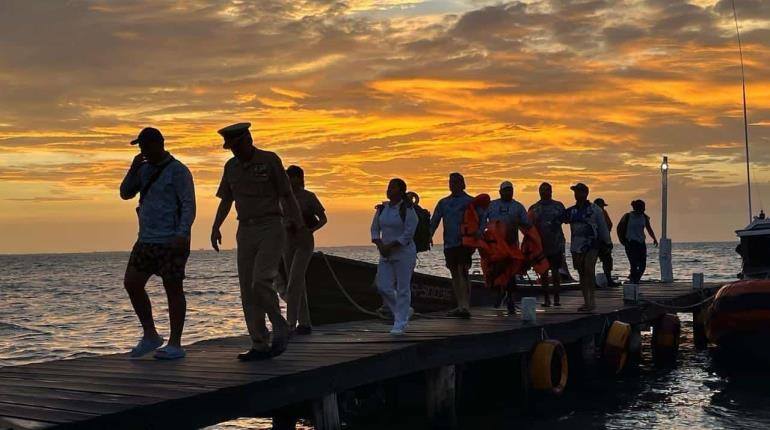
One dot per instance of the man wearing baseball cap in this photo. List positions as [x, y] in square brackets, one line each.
[589, 233]
[256, 182]
[513, 214]
[166, 213]
[548, 217]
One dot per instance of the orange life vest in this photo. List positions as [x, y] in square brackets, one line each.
[501, 260]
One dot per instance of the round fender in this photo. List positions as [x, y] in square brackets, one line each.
[665, 340]
[616, 345]
[549, 369]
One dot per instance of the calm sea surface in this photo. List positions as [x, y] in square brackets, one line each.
[72, 305]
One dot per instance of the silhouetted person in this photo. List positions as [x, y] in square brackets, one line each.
[451, 210]
[631, 234]
[589, 233]
[256, 181]
[605, 252]
[393, 227]
[299, 251]
[166, 213]
[507, 210]
[547, 215]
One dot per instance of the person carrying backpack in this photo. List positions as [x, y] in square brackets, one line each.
[394, 237]
[631, 234]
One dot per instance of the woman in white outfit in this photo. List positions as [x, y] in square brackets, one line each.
[393, 229]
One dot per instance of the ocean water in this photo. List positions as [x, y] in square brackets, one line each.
[69, 305]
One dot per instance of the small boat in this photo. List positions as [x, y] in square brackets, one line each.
[341, 289]
[738, 319]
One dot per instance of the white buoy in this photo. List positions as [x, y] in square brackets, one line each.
[528, 309]
[697, 281]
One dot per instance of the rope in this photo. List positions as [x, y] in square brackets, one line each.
[358, 306]
[345, 292]
[680, 308]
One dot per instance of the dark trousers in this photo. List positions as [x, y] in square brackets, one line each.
[637, 259]
[605, 256]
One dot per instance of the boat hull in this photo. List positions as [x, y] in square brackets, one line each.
[738, 319]
[329, 304]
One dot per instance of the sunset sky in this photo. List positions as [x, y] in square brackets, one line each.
[359, 91]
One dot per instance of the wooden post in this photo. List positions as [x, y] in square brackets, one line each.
[326, 414]
[283, 421]
[699, 330]
[634, 347]
[588, 351]
[525, 379]
[440, 397]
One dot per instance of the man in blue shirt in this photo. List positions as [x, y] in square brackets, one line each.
[166, 213]
[451, 210]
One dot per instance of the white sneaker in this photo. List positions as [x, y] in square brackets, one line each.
[146, 345]
[397, 331]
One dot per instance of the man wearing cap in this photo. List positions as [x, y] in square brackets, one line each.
[451, 210]
[166, 213]
[514, 215]
[589, 233]
[256, 181]
[605, 252]
[548, 216]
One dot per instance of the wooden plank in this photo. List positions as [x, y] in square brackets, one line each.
[22, 424]
[41, 414]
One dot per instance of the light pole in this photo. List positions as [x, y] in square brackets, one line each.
[664, 250]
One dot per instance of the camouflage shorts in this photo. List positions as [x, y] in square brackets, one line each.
[159, 259]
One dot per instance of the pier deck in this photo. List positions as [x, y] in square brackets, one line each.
[210, 386]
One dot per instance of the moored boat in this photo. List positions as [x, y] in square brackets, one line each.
[341, 289]
[738, 319]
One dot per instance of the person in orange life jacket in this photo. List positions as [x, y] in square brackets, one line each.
[588, 233]
[451, 210]
[548, 215]
[605, 253]
[513, 214]
[392, 231]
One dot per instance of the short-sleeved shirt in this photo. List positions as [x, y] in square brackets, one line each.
[548, 217]
[511, 213]
[310, 207]
[451, 210]
[636, 223]
[256, 186]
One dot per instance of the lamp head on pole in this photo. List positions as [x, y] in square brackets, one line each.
[664, 165]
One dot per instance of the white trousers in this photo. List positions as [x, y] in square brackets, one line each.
[394, 283]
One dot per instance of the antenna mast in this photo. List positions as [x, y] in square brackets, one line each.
[745, 115]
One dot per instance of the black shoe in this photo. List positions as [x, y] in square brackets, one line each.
[459, 313]
[279, 345]
[254, 355]
[303, 330]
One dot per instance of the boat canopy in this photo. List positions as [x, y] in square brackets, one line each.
[755, 248]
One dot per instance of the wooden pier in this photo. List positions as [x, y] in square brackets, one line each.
[210, 386]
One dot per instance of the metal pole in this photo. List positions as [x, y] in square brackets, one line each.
[664, 216]
[745, 113]
[664, 246]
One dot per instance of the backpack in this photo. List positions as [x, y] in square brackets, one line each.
[422, 236]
